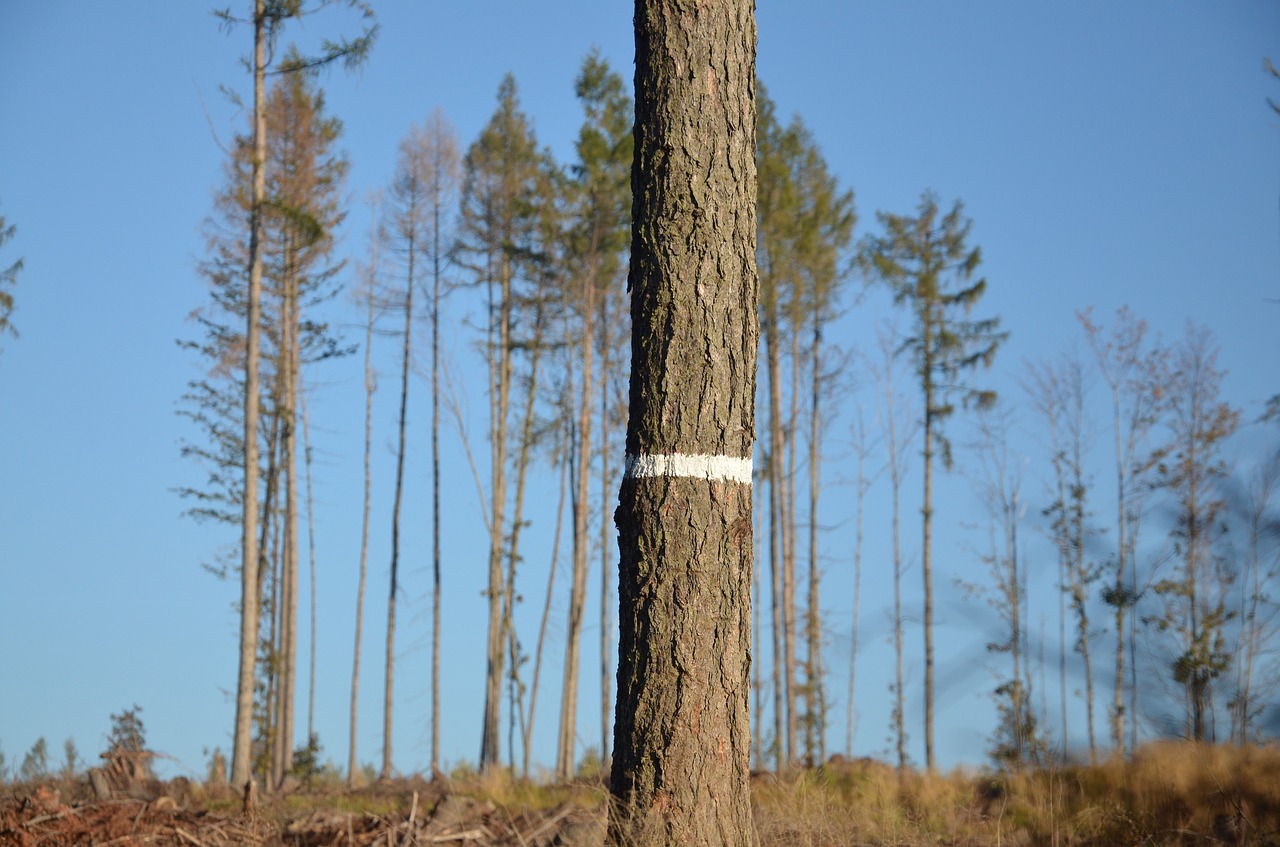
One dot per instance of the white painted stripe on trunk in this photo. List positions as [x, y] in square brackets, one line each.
[694, 466]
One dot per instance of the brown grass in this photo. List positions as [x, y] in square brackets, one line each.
[1169, 794]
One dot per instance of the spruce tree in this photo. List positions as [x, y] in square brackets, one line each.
[928, 265]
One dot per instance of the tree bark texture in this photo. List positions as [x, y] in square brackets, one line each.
[682, 733]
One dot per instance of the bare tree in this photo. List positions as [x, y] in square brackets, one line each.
[1057, 390]
[366, 294]
[999, 486]
[898, 426]
[1253, 506]
[1129, 364]
[863, 481]
[682, 732]
[442, 177]
[1194, 597]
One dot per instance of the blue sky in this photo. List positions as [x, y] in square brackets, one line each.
[1108, 153]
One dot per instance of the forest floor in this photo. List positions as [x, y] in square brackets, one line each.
[1164, 795]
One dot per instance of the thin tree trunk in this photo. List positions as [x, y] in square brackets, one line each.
[499, 398]
[386, 771]
[311, 555]
[1117, 706]
[895, 481]
[791, 632]
[606, 700]
[370, 385]
[581, 542]
[290, 445]
[817, 692]
[249, 597]
[522, 468]
[681, 762]
[435, 475]
[861, 485]
[926, 561]
[546, 616]
[776, 530]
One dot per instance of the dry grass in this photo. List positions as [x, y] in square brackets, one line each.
[1169, 794]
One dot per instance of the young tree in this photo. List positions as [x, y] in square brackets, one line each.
[682, 733]
[268, 19]
[8, 279]
[1252, 506]
[897, 427]
[1194, 597]
[35, 764]
[927, 263]
[1130, 366]
[1058, 392]
[863, 481]
[999, 487]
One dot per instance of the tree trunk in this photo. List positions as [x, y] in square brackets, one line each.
[581, 541]
[289, 565]
[776, 531]
[370, 385]
[535, 345]
[861, 484]
[606, 699]
[926, 561]
[546, 613]
[249, 596]
[681, 762]
[813, 627]
[790, 630]
[435, 474]
[499, 354]
[406, 350]
[311, 557]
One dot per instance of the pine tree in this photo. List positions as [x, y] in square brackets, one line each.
[929, 267]
[682, 735]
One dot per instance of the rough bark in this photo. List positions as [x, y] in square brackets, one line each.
[682, 731]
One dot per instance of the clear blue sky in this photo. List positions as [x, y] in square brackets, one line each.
[1109, 154]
